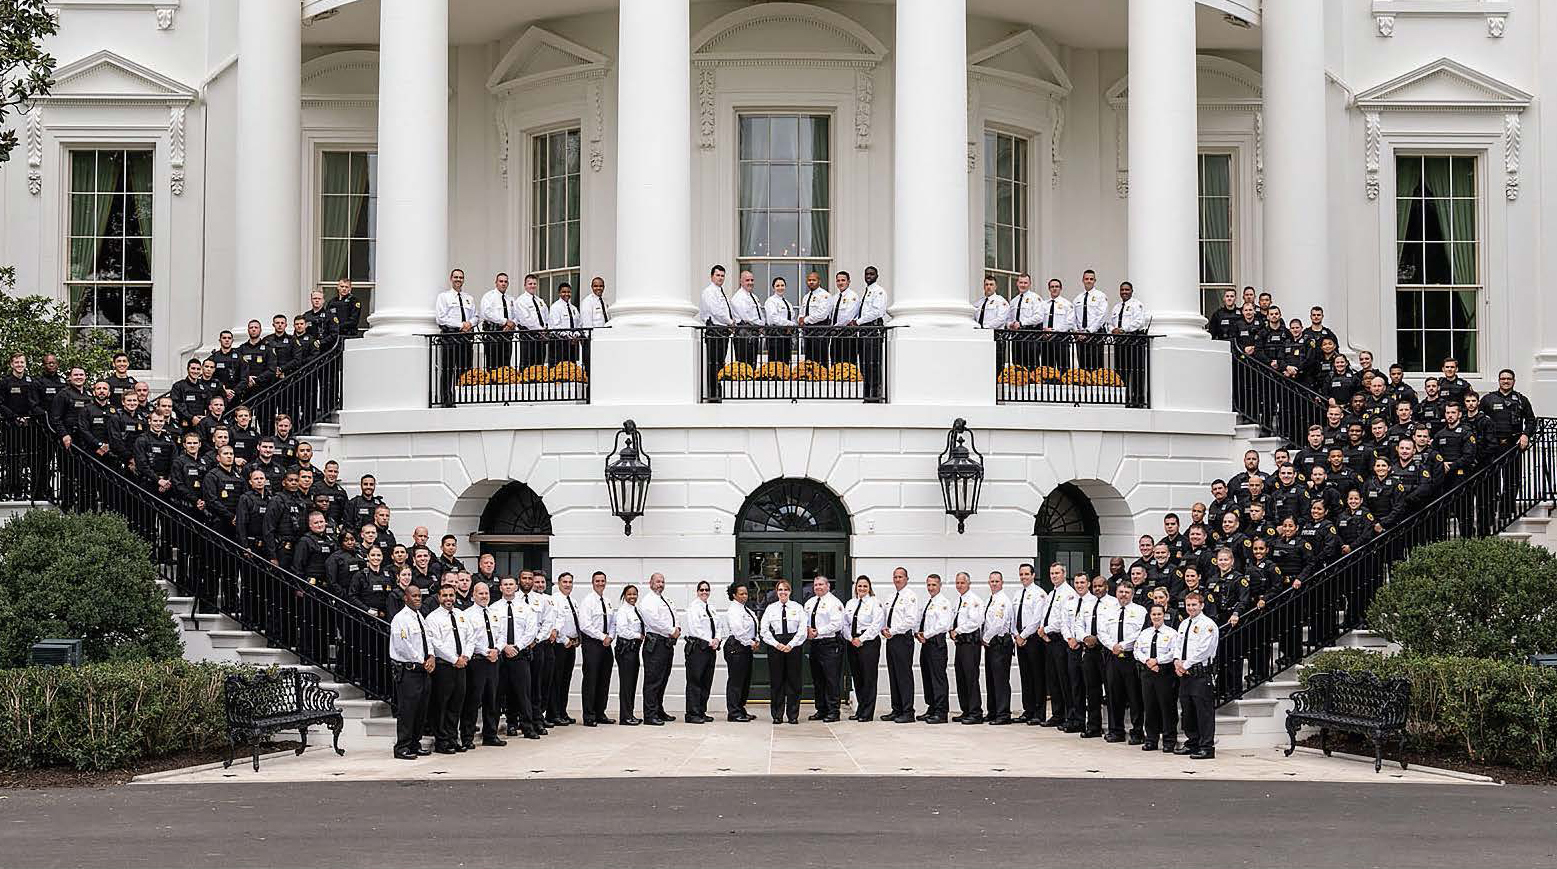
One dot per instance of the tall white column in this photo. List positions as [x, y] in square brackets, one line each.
[1542, 386]
[1297, 251]
[269, 184]
[413, 164]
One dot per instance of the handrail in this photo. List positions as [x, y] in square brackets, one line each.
[1279, 405]
[1072, 367]
[1335, 599]
[793, 363]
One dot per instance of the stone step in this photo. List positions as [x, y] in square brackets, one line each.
[330, 428]
[1256, 707]
[206, 621]
[265, 656]
[364, 709]
[238, 639]
[344, 690]
[179, 604]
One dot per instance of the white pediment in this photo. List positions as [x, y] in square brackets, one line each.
[342, 74]
[786, 32]
[1024, 60]
[1444, 84]
[541, 57]
[105, 76]
[1219, 82]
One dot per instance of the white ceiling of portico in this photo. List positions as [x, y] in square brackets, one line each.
[1078, 23]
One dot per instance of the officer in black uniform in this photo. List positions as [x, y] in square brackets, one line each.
[343, 563]
[373, 587]
[359, 510]
[119, 379]
[221, 489]
[345, 311]
[249, 518]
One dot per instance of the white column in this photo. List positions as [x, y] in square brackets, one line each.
[1542, 387]
[269, 184]
[413, 164]
[1297, 253]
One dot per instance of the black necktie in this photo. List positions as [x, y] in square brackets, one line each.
[784, 618]
[755, 629]
[729, 311]
[789, 313]
[1121, 625]
[539, 320]
[1043, 625]
[510, 622]
[984, 626]
[924, 617]
[504, 297]
[573, 609]
[854, 623]
[604, 628]
[890, 608]
[710, 614]
[1185, 654]
[1019, 605]
[982, 305]
[603, 314]
[460, 297]
[459, 646]
[1155, 633]
[814, 608]
[671, 610]
[571, 324]
[1085, 299]
[1051, 314]
[1094, 618]
[423, 624]
[487, 620]
[1121, 315]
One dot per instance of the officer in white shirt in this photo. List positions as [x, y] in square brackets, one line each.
[824, 628]
[967, 638]
[595, 625]
[740, 644]
[1198, 637]
[448, 633]
[1118, 626]
[1028, 312]
[661, 629]
[846, 304]
[411, 655]
[481, 684]
[1054, 318]
[784, 631]
[934, 621]
[1086, 630]
[717, 315]
[628, 627]
[570, 629]
[992, 311]
[779, 315]
[816, 320]
[517, 625]
[897, 626]
[701, 642]
[746, 313]
[1027, 636]
[1089, 315]
[564, 316]
[872, 316]
[594, 312]
[1129, 315]
[1053, 631]
[497, 319]
[995, 635]
[455, 314]
[532, 586]
[862, 646]
[530, 315]
[1155, 650]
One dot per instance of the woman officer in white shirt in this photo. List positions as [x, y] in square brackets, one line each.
[862, 638]
[740, 645]
[629, 654]
[783, 629]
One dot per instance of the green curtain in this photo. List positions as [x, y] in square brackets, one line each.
[1216, 220]
[1437, 175]
[339, 214]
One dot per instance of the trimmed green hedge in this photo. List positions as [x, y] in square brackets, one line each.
[105, 716]
[1486, 711]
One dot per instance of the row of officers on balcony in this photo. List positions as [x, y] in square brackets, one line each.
[1083, 644]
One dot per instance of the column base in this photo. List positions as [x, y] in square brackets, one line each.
[941, 366]
[1191, 374]
[386, 372]
[644, 365]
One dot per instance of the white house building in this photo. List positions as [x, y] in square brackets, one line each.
[201, 162]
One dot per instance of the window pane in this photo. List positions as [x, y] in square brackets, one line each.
[1437, 269]
[786, 138]
[989, 246]
[360, 270]
[1005, 249]
[556, 247]
[110, 215]
[335, 219]
[784, 234]
[1435, 310]
[1464, 347]
[83, 215]
[110, 260]
[1436, 220]
[571, 151]
[110, 305]
[1004, 157]
[783, 186]
[1464, 176]
[754, 138]
[362, 217]
[754, 185]
[574, 193]
[556, 200]
[1408, 309]
[1003, 204]
[1464, 271]
[137, 259]
[1464, 219]
[1462, 309]
[81, 303]
[1409, 350]
[1408, 219]
[335, 172]
[754, 233]
[1409, 264]
[573, 244]
[1436, 173]
[821, 146]
[83, 171]
[1217, 176]
[138, 217]
[1435, 347]
[333, 259]
[110, 171]
[1408, 176]
[83, 259]
[139, 171]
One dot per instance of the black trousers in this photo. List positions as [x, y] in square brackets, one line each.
[900, 674]
[627, 658]
[458, 351]
[827, 674]
[737, 683]
[700, 676]
[597, 678]
[532, 348]
[1197, 709]
[562, 658]
[969, 699]
[819, 349]
[513, 674]
[745, 343]
[872, 349]
[1031, 665]
[499, 348]
[1076, 669]
[784, 684]
[480, 694]
[863, 663]
[780, 346]
[659, 656]
[412, 690]
[716, 344]
[448, 701]
[1089, 352]
[540, 677]
[1057, 674]
[1054, 351]
[932, 672]
[1160, 695]
[997, 676]
[1124, 690]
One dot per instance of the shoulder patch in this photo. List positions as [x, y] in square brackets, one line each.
[1244, 582]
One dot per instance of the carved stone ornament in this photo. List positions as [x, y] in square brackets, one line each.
[176, 149]
[35, 150]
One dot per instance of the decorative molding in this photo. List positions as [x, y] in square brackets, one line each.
[1386, 25]
[1497, 25]
[975, 133]
[1511, 135]
[1496, 12]
[176, 149]
[1056, 131]
[500, 120]
[597, 127]
[163, 10]
[862, 48]
[1057, 86]
[1121, 153]
[707, 122]
[584, 64]
[973, 156]
[1372, 147]
[346, 65]
[138, 85]
[1259, 153]
[165, 17]
[1443, 85]
[864, 94]
[35, 150]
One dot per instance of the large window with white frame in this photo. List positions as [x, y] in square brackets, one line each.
[784, 204]
[108, 280]
[1437, 261]
[1005, 208]
[1215, 200]
[348, 222]
[555, 221]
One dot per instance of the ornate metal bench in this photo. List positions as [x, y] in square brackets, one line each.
[1356, 703]
[267, 701]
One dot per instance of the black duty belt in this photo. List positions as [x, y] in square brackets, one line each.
[1200, 670]
[1002, 640]
[627, 644]
[827, 641]
[407, 665]
[935, 638]
[785, 638]
[967, 639]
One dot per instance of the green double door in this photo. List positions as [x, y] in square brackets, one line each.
[798, 559]
[1076, 552]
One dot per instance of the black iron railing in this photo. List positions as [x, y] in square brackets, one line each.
[1279, 405]
[1335, 599]
[1072, 368]
[309, 395]
[508, 367]
[792, 363]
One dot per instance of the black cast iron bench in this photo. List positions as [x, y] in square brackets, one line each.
[261, 702]
[1358, 703]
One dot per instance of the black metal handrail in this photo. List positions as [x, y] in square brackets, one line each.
[1335, 599]
[1072, 367]
[545, 365]
[308, 395]
[1279, 405]
[792, 363]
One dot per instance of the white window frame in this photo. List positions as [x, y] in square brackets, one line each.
[159, 216]
[1474, 367]
[362, 290]
[833, 188]
[549, 278]
[1006, 280]
[1211, 294]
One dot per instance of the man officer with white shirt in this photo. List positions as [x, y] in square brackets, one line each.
[530, 317]
[779, 315]
[593, 312]
[816, 316]
[967, 635]
[455, 314]
[411, 655]
[595, 622]
[1028, 313]
[748, 321]
[1089, 315]
[564, 315]
[1027, 614]
[717, 315]
[448, 632]
[992, 312]
[1054, 318]
[1120, 621]
[897, 626]
[935, 620]
[481, 684]
[1129, 317]
[846, 304]
[871, 315]
[570, 632]
[1198, 637]
[824, 643]
[995, 634]
[497, 319]
[661, 629]
[1059, 607]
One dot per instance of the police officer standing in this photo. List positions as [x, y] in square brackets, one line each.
[1197, 705]
[1155, 650]
[741, 642]
[1031, 663]
[935, 620]
[660, 632]
[783, 629]
[702, 644]
[448, 631]
[481, 684]
[1059, 605]
[897, 625]
[995, 636]
[516, 625]
[570, 632]
[1118, 628]
[968, 644]
[413, 660]
[862, 634]
[824, 622]
[595, 625]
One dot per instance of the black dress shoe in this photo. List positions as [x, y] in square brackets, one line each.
[632, 722]
[667, 718]
[445, 750]
[1021, 719]
[735, 718]
[1051, 722]
[1001, 721]
[888, 717]
[831, 719]
[973, 719]
[1203, 754]
[654, 722]
[1091, 734]
[465, 746]
[1150, 746]
[551, 722]
[494, 741]
[560, 722]
[1112, 737]
[815, 716]
[1170, 747]
[904, 719]
[778, 721]
[405, 755]
[589, 724]
[423, 752]
[1183, 750]
[958, 718]
[531, 734]
[794, 720]
[922, 717]
[935, 719]
[1136, 739]
[605, 720]
[512, 730]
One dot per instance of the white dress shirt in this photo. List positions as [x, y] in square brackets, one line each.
[1054, 314]
[1088, 620]
[525, 621]
[1031, 603]
[594, 312]
[702, 622]
[442, 627]
[1029, 309]
[816, 307]
[997, 616]
[970, 614]
[529, 312]
[1167, 645]
[453, 309]
[937, 615]
[741, 622]
[846, 307]
[864, 613]
[569, 621]
[873, 306]
[497, 308]
[745, 309]
[657, 614]
[779, 311]
[1198, 640]
[594, 617]
[1128, 316]
[779, 616]
[826, 613]
[545, 614]
[1111, 616]
[1089, 313]
[627, 624]
[714, 308]
[408, 641]
[901, 612]
[1058, 607]
[483, 630]
[564, 315]
[991, 312]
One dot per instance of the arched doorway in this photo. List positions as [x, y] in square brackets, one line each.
[791, 528]
[515, 530]
[1067, 532]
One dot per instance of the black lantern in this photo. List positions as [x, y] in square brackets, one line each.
[627, 475]
[961, 473]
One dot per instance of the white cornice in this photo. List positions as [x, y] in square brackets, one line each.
[1494, 12]
[1482, 93]
[1023, 41]
[152, 87]
[587, 63]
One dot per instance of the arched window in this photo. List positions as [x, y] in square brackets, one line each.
[791, 505]
[516, 530]
[1067, 531]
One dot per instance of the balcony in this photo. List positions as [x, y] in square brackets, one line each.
[1034, 367]
[549, 366]
[791, 363]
